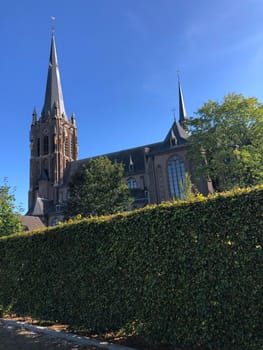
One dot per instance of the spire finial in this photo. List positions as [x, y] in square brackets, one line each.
[34, 116]
[53, 24]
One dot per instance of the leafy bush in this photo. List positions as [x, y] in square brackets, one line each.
[9, 218]
[186, 273]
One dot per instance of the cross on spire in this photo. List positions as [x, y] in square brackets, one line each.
[174, 114]
[53, 24]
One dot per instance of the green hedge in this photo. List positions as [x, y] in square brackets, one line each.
[184, 273]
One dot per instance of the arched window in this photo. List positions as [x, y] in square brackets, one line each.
[176, 174]
[38, 147]
[132, 183]
[72, 148]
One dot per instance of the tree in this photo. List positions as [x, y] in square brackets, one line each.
[226, 142]
[98, 189]
[187, 188]
[9, 218]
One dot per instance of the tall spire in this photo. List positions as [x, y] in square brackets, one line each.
[54, 103]
[182, 110]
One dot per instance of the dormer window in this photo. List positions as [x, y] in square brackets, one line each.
[131, 168]
[173, 139]
[131, 165]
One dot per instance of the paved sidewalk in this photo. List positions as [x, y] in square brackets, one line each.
[22, 336]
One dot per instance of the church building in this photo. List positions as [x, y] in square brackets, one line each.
[153, 172]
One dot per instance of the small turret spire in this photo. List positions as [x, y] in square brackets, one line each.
[73, 119]
[54, 103]
[34, 116]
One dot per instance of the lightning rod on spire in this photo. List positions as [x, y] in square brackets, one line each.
[178, 74]
[174, 110]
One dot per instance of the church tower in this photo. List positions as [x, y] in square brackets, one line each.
[53, 144]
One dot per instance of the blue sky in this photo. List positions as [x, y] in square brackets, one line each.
[118, 62]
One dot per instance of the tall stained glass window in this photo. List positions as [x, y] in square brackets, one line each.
[176, 174]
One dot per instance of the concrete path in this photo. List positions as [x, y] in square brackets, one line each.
[16, 335]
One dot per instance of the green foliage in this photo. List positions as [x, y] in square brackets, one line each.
[189, 274]
[98, 189]
[9, 219]
[187, 188]
[227, 142]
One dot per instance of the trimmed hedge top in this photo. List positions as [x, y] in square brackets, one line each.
[186, 273]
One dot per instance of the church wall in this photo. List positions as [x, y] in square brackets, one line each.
[158, 172]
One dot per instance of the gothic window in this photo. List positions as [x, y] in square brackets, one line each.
[66, 148]
[46, 150]
[132, 183]
[72, 148]
[46, 173]
[54, 143]
[176, 174]
[38, 147]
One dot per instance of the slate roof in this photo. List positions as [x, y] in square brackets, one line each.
[31, 222]
[53, 97]
[182, 110]
[137, 154]
[179, 132]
